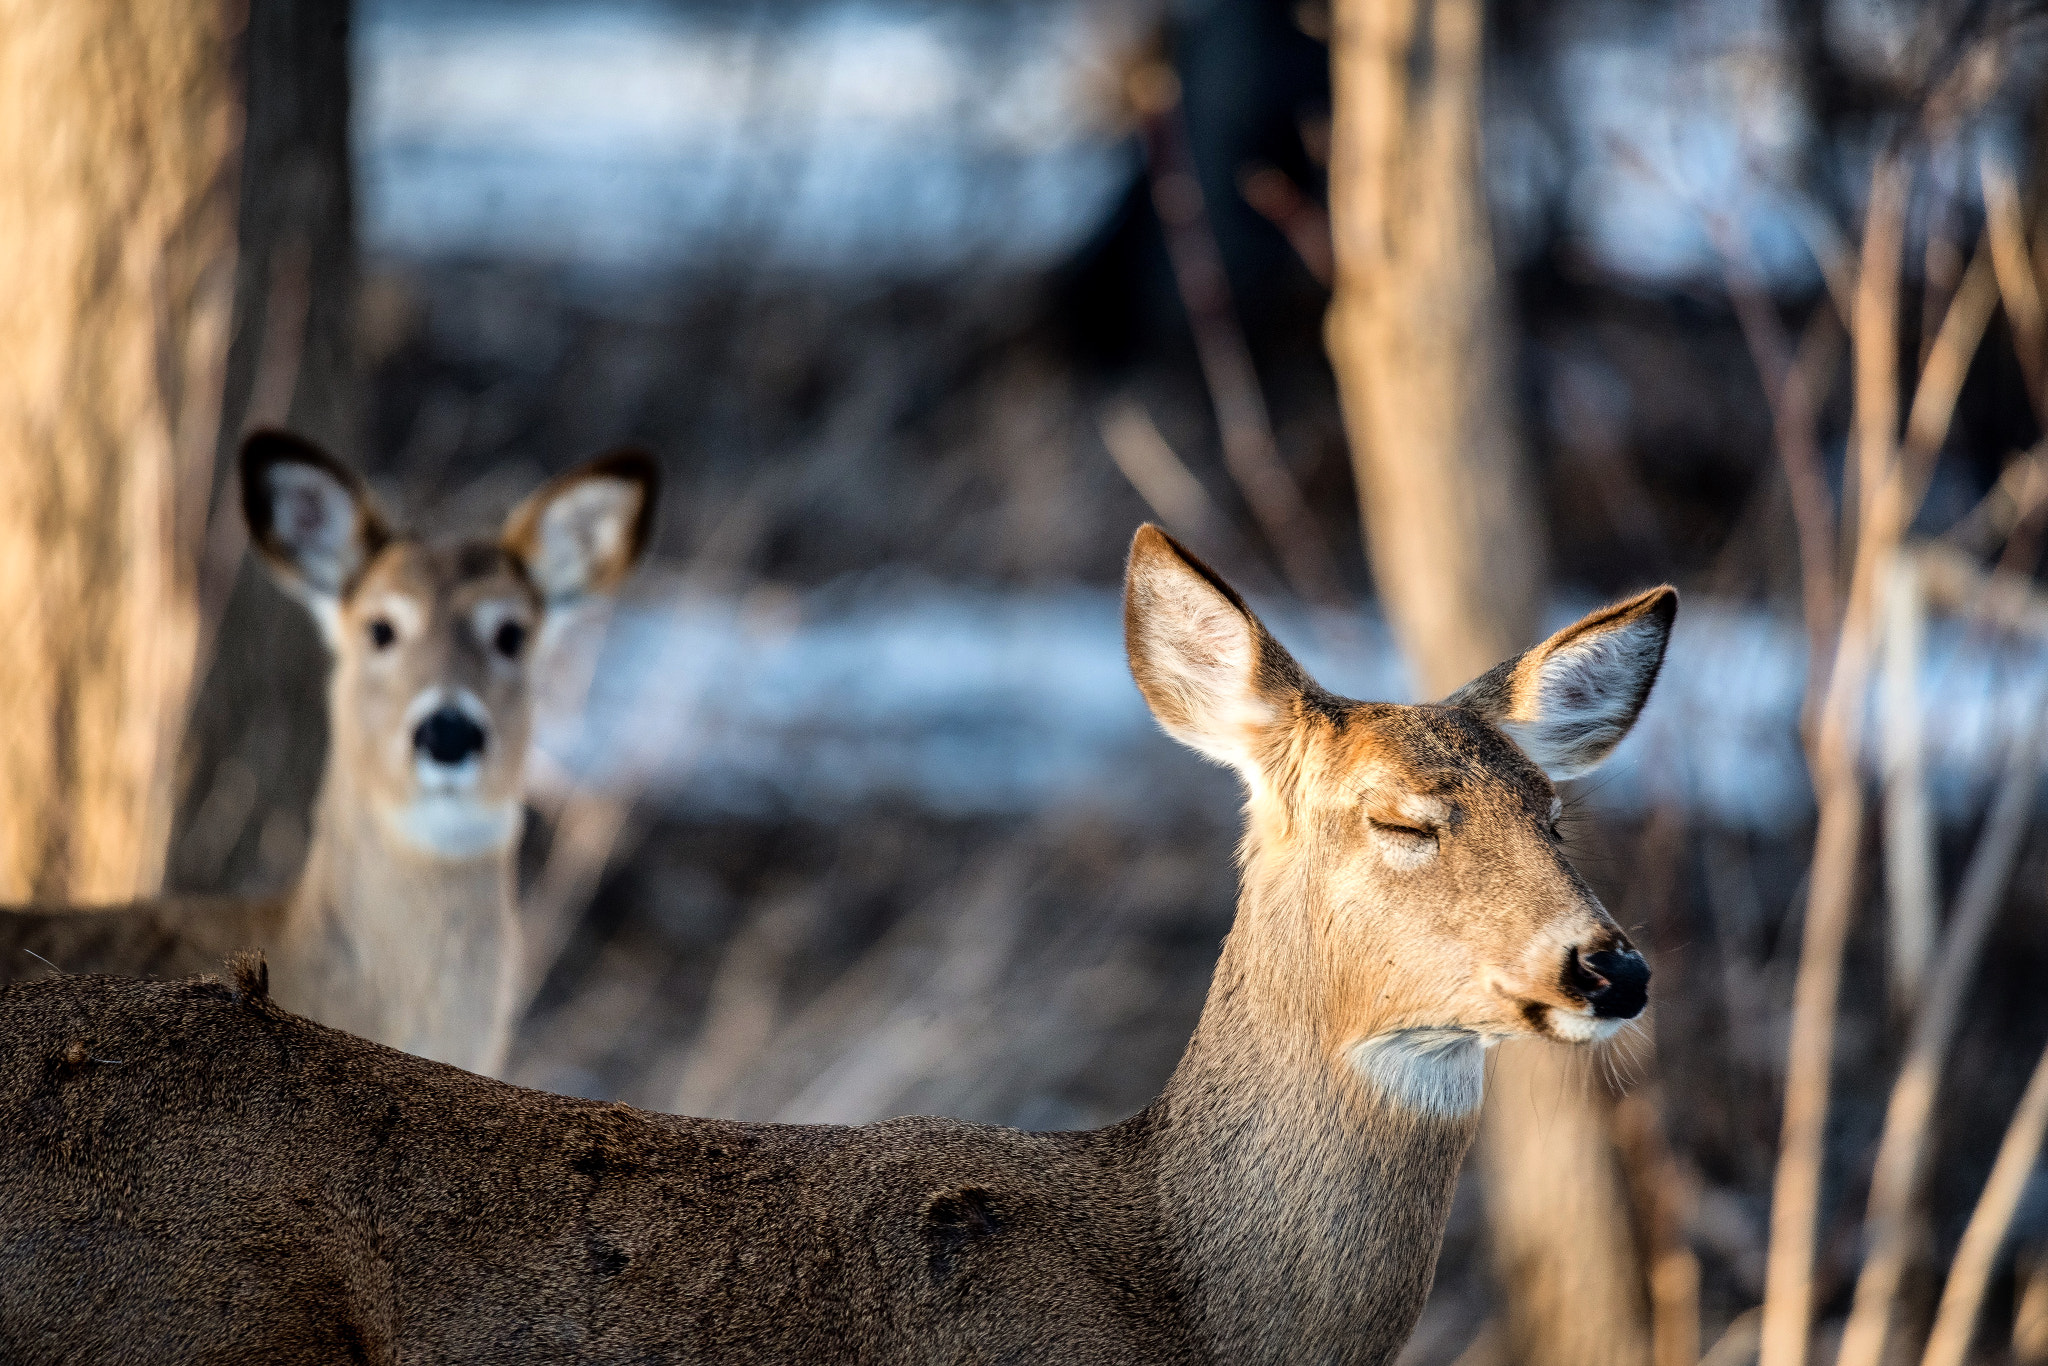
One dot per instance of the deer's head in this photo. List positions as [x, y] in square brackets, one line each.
[431, 704]
[1405, 877]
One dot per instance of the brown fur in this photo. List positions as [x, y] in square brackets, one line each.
[406, 943]
[202, 1176]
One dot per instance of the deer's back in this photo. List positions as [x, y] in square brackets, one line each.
[173, 936]
[233, 1180]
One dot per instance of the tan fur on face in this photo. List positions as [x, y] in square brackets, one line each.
[436, 600]
[1403, 873]
[402, 926]
[1468, 930]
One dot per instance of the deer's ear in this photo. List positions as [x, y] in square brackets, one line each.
[582, 532]
[310, 517]
[1215, 680]
[1569, 701]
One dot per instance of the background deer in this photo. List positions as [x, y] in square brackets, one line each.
[402, 927]
[255, 1184]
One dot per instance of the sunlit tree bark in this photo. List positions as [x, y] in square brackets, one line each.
[1416, 337]
[119, 126]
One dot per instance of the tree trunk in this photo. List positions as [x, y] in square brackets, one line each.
[258, 732]
[1415, 333]
[118, 133]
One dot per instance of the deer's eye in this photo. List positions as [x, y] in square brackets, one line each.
[1395, 828]
[509, 639]
[382, 633]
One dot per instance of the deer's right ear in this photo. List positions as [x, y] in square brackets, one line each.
[1215, 680]
[1569, 701]
[583, 531]
[311, 518]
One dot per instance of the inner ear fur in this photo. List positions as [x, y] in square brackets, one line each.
[1214, 677]
[574, 544]
[317, 563]
[1570, 700]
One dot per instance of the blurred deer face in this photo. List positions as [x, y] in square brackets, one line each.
[1403, 862]
[431, 705]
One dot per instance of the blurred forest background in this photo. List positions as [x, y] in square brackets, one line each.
[1431, 323]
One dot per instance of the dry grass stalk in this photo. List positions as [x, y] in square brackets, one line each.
[1662, 1190]
[1907, 1137]
[1795, 1196]
[1956, 1320]
[2019, 495]
[1891, 482]
[1955, 582]
[588, 829]
[1737, 1344]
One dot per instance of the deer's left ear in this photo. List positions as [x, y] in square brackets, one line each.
[1569, 701]
[581, 533]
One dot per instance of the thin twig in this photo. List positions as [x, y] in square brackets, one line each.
[1244, 427]
[2005, 229]
[2021, 492]
[1795, 383]
[1956, 1320]
[1145, 458]
[1948, 365]
[1795, 419]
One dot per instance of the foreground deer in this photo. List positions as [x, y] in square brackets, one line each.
[402, 926]
[196, 1175]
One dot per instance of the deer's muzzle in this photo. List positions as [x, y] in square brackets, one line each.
[449, 736]
[1614, 982]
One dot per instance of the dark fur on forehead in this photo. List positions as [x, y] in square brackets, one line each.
[457, 562]
[1441, 747]
[482, 559]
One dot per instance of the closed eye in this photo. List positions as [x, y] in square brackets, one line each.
[1413, 832]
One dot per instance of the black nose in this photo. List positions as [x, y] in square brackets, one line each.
[448, 737]
[1615, 984]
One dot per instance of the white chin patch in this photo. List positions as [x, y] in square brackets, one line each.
[437, 779]
[454, 827]
[1575, 1028]
[1438, 1072]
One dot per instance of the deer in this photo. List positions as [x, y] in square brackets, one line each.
[195, 1168]
[402, 926]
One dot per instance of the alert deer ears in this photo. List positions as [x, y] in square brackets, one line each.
[311, 518]
[1215, 680]
[1569, 701]
[582, 532]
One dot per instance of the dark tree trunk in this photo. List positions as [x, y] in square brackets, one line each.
[258, 733]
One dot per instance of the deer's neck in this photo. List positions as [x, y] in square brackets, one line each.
[1304, 1185]
[413, 949]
